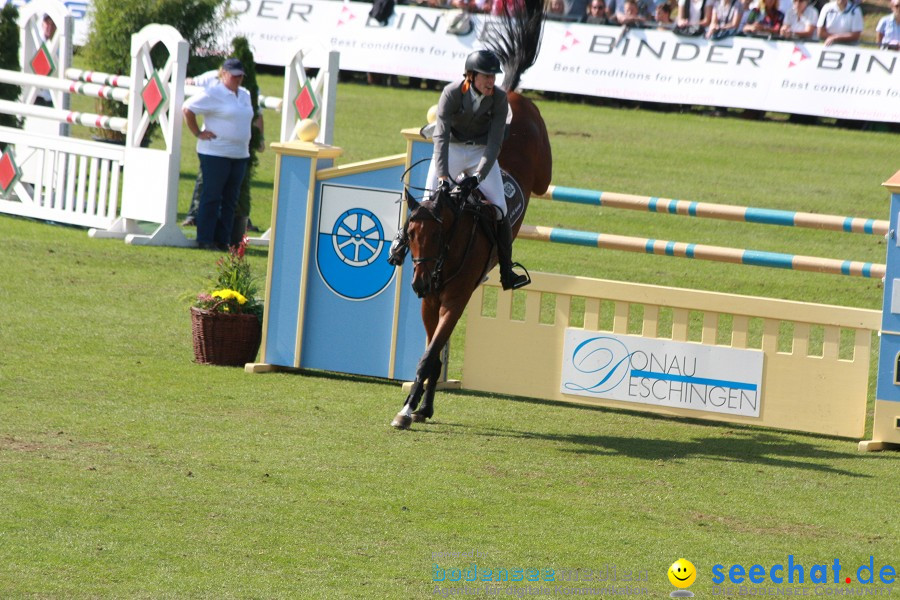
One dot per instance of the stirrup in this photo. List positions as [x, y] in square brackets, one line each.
[515, 280]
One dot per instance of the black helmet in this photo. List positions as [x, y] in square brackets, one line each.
[483, 61]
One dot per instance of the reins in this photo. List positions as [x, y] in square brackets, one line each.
[458, 207]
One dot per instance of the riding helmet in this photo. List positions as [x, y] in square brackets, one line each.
[483, 61]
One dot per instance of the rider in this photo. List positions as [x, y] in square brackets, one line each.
[470, 127]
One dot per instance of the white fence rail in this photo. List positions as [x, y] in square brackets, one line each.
[76, 181]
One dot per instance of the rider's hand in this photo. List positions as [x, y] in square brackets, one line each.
[468, 185]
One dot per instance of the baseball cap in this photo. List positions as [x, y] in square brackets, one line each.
[233, 66]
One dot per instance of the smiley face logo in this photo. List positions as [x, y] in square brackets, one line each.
[682, 573]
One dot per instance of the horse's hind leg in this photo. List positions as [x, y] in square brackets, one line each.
[426, 411]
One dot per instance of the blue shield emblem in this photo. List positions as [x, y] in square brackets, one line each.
[356, 226]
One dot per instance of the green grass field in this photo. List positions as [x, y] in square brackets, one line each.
[127, 471]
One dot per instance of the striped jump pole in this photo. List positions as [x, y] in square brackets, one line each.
[716, 211]
[702, 252]
[65, 116]
[124, 82]
[73, 87]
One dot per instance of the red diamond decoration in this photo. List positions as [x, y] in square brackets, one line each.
[42, 62]
[306, 103]
[9, 172]
[154, 96]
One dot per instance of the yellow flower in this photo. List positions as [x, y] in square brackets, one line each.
[229, 294]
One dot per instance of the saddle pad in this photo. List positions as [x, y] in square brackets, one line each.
[515, 199]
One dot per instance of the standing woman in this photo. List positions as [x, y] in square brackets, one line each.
[223, 149]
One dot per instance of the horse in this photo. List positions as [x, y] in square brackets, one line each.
[449, 265]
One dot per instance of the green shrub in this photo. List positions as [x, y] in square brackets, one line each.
[113, 22]
[241, 51]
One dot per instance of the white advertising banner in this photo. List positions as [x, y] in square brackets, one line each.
[847, 82]
[640, 64]
[662, 372]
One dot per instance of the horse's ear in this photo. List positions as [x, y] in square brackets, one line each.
[410, 201]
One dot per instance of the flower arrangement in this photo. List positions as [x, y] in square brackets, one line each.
[233, 288]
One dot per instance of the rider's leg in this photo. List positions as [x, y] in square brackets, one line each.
[509, 279]
[492, 188]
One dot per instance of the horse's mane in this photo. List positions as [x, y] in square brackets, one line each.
[516, 38]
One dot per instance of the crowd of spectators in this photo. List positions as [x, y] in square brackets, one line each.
[827, 21]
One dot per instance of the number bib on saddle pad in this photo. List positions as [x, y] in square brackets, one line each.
[515, 199]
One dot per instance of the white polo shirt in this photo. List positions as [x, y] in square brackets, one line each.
[890, 31]
[226, 114]
[809, 17]
[835, 21]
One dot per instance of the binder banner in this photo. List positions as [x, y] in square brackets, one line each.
[845, 82]
[848, 82]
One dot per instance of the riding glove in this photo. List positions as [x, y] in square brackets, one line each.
[468, 185]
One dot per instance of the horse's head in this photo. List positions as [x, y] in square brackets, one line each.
[428, 232]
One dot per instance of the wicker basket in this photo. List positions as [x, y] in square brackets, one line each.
[224, 339]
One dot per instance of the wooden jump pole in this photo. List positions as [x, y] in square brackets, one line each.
[703, 252]
[716, 211]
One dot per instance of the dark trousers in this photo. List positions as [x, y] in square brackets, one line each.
[222, 178]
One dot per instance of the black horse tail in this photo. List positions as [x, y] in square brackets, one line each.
[516, 38]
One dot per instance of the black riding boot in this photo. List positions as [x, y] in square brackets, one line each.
[508, 278]
[399, 248]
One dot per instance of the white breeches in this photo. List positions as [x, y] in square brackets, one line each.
[463, 160]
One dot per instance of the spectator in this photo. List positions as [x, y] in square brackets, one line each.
[694, 16]
[501, 7]
[800, 22]
[840, 22]
[630, 15]
[663, 16]
[575, 9]
[745, 8]
[556, 11]
[765, 19]
[887, 33]
[471, 6]
[611, 6]
[596, 13]
[726, 19]
[223, 148]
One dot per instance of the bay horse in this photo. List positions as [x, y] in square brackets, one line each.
[451, 251]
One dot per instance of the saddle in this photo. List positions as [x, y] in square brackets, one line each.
[515, 202]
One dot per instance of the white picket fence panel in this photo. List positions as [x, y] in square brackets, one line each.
[75, 181]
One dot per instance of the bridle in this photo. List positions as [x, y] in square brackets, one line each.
[457, 206]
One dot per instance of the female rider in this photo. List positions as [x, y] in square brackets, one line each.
[470, 127]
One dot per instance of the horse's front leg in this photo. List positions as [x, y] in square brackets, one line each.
[405, 417]
[426, 411]
[449, 316]
[431, 312]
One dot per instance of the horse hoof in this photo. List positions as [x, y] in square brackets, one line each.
[401, 422]
[418, 418]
